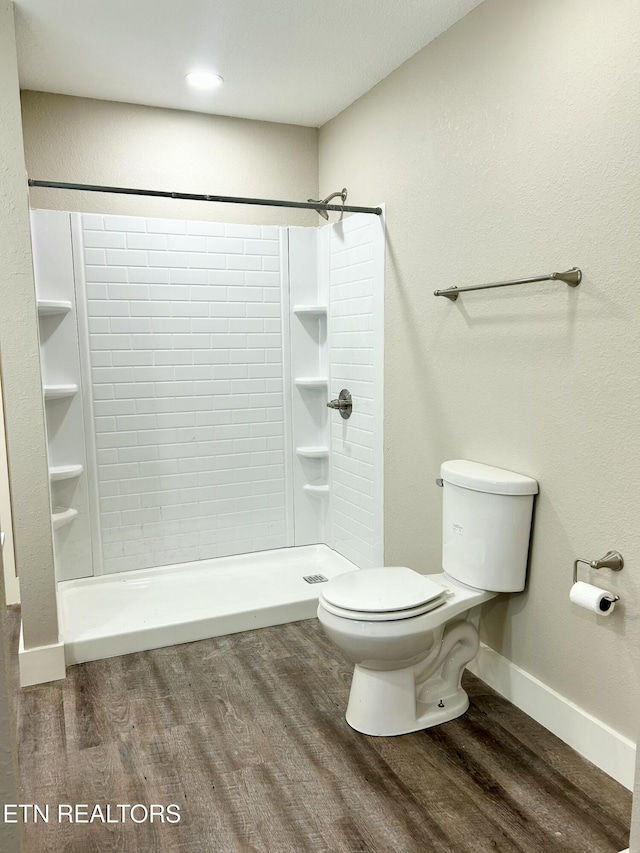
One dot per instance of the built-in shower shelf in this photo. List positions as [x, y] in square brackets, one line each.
[64, 472]
[318, 490]
[311, 382]
[48, 307]
[57, 392]
[310, 310]
[61, 517]
[315, 452]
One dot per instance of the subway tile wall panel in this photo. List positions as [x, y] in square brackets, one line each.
[355, 354]
[187, 372]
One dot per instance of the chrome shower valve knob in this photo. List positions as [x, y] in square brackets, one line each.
[344, 404]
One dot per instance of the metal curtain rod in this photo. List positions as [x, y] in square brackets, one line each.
[225, 199]
[572, 277]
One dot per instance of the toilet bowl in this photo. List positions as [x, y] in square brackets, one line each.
[410, 635]
[400, 683]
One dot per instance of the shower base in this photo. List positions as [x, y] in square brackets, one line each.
[128, 612]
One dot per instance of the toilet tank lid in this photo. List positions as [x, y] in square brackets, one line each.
[487, 478]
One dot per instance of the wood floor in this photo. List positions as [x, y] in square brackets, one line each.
[246, 734]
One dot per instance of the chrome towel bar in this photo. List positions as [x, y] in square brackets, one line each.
[572, 277]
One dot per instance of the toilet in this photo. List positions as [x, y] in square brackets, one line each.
[411, 635]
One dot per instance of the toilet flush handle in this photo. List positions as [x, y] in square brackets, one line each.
[439, 482]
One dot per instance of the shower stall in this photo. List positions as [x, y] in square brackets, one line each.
[200, 483]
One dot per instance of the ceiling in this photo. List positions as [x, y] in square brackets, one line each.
[297, 61]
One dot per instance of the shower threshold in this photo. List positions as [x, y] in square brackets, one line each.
[134, 611]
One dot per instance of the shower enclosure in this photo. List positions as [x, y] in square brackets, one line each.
[200, 484]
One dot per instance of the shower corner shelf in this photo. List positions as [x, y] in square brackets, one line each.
[311, 382]
[64, 472]
[313, 452]
[61, 517]
[50, 307]
[58, 392]
[310, 310]
[318, 490]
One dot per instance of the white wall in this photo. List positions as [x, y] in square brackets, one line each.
[101, 142]
[184, 356]
[337, 338]
[507, 147]
[187, 359]
[21, 384]
[356, 346]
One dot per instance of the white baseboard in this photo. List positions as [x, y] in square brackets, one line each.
[593, 739]
[40, 664]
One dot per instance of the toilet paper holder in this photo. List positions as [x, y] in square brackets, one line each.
[612, 560]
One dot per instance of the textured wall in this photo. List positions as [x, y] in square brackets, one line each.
[23, 408]
[507, 147]
[101, 142]
[186, 352]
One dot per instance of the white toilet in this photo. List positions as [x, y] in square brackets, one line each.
[410, 635]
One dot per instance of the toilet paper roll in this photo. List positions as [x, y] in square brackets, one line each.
[592, 598]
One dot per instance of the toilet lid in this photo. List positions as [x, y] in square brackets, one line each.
[381, 590]
[382, 616]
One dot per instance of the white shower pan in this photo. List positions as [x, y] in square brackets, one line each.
[134, 611]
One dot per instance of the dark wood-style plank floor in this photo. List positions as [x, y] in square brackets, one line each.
[246, 734]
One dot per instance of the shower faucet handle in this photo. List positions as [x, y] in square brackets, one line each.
[344, 404]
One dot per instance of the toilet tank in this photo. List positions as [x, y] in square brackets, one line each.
[486, 525]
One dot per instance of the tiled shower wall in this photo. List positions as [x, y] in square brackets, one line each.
[356, 340]
[186, 352]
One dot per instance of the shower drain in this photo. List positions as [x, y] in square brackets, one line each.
[314, 578]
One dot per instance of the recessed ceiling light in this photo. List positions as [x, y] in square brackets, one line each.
[203, 80]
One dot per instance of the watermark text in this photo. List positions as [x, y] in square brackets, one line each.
[86, 813]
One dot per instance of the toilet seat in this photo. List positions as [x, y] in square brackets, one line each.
[382, 595]
[384, 616]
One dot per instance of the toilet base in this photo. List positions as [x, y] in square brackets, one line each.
[385, 703]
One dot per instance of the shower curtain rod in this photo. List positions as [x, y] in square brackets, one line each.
[225, 199]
